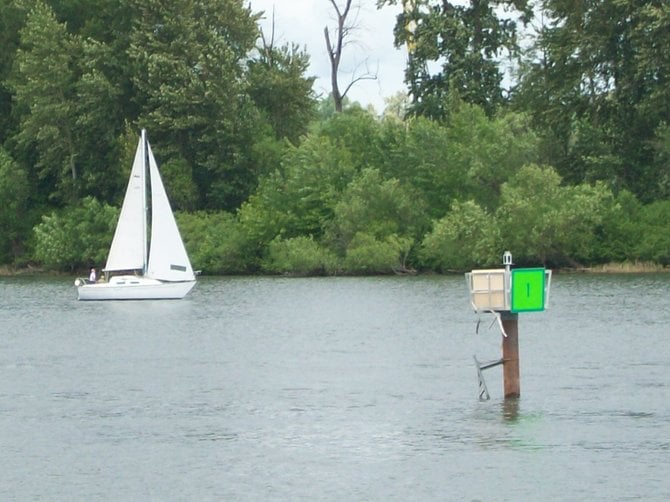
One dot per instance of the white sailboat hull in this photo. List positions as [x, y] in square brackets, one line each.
[134, 288]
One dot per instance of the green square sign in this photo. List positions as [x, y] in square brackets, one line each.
[527, 289]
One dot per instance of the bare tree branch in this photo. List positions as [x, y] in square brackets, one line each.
[335, 53]
[268, 47]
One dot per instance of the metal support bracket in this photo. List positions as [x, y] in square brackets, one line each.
[483, 390]
[497, 317]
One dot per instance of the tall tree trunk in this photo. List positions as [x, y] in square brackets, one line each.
[335, 51]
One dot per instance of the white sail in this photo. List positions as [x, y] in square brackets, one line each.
[168, 260]
[128, 250]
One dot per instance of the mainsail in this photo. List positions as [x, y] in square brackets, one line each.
[128, 250]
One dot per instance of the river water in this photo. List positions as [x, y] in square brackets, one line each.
[333, 389]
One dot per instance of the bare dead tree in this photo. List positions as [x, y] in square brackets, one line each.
[343, 31]
[268, 45]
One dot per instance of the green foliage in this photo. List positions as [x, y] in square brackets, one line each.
[278, 87]
[43, 82]
[228, 116]
[464, 40]
[662, 159]
[99, 122]
[12, 18]
[396, 107]
[267, 154]
[181, 189]
[367, 254]
[85, 71]
[258, 216]
[599, 90]
[189, 58]
[546, 222]
[14, 197]
[654, 244]
[467, 237]
[620, 232]
[356, 131]
[216, 243]
[441, 164]
[417, 153]
[374, 206]
[325, 108]
[299, 199]
[77, 236]
[67, 109]
[298, 256]
[503, 145]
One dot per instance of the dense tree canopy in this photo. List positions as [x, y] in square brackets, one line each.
[79, 79]
[14, 197]
[456, 47]
[44, 83]
[566, 162]
[597, 85]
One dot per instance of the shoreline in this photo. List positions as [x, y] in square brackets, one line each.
[606, 268]
[625, 267]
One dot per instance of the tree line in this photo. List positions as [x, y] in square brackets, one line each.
[568, 166]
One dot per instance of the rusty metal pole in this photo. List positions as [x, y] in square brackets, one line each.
[510, 355]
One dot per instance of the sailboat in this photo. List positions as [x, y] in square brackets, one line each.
[147, 260]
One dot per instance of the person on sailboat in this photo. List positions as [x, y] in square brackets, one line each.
[92, 277]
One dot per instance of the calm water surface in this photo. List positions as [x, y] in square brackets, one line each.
[332, 389]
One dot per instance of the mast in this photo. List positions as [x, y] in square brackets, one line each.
[145, 171]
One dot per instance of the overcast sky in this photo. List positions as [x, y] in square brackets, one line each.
[303, 21]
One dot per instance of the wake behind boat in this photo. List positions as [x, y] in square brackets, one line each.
[139, 267]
